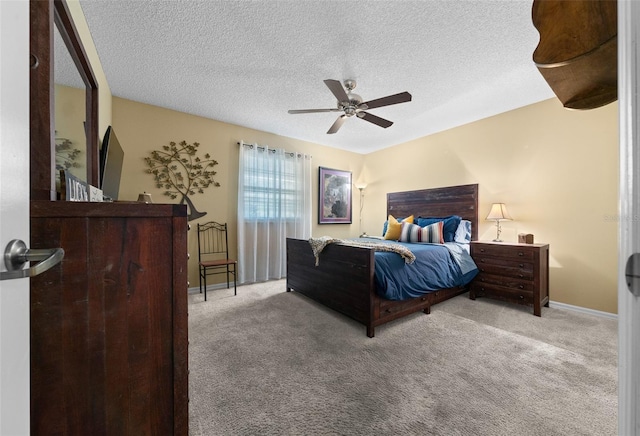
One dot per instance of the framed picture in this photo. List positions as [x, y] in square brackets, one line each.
[334, 196]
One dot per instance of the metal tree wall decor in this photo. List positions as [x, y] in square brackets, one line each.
[179, 170]
[66, 155]
[68, 159]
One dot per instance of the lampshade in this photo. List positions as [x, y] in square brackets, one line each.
[144, 198]
[361, 186]
[499, 212]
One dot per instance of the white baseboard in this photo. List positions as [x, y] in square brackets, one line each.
[600, 313]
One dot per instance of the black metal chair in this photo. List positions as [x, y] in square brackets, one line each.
[213, 254]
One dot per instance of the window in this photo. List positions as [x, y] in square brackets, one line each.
[271, 186]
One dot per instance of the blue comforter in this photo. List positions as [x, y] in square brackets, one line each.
[437, 266]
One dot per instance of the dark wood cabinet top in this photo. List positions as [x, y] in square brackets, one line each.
[509, 244]
[61, 209]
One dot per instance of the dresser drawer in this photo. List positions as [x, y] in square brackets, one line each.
[504, 251]
[503, 267]
[392, 310]
[485, 279]
[501, 293]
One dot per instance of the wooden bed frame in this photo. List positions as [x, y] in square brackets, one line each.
[344, 279]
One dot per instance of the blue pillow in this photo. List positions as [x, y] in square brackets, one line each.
[451, 224]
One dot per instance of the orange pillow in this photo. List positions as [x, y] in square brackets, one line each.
[408, 219]
[394, 228]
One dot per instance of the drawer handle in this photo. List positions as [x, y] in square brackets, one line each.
[520, 253]
[521, 265]
[521, 276]
[482, 250]
[522, 297]
[482, 280]
[521, 287]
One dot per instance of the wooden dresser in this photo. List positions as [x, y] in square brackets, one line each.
[517, 273]
[109, 344]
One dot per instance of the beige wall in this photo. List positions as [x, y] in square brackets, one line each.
[143, 128]
[557, 172]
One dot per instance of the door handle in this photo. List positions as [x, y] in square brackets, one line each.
[16, 254]
[632, 274]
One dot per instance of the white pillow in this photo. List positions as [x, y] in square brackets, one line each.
[463, 232]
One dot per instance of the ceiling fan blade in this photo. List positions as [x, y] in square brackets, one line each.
[311, 111]
[375, 119]
[403, 97]
[338, 123]
[336, 88]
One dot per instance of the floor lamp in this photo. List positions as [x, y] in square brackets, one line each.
[361, 187]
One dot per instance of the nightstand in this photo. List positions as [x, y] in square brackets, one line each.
[516, 273]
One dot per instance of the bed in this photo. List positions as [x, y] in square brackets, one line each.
[344, 277]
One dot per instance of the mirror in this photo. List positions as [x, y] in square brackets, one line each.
[43, 34]
[65, 28]
[70, 113]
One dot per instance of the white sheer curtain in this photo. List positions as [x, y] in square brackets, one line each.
[274, 203]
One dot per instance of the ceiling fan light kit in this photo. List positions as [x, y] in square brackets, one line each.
[351, 104]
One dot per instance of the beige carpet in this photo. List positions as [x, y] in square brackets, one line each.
[268, 362]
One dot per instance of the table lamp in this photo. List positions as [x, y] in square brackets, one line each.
[498, 213]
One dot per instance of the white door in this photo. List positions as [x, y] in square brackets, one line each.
[628, 303]
[14, 214]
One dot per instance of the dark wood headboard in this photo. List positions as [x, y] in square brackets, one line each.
[459, 200]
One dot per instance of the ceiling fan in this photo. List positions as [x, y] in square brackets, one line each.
[351, 104]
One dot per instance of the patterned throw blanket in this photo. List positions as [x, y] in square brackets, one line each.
[318, 244]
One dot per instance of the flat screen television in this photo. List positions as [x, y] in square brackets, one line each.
[111, 159]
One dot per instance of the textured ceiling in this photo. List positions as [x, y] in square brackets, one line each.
[248, 62]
